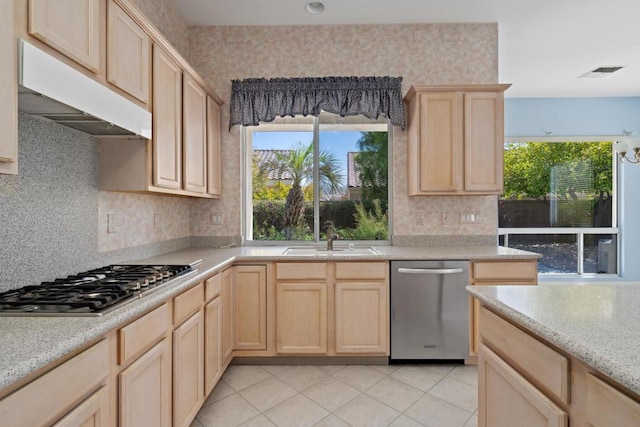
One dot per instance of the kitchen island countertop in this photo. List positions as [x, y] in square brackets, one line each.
[597, 324]
[28, 344]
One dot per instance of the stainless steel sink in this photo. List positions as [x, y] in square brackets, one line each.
[320, 251]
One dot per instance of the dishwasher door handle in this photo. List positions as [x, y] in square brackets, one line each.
[430, 270]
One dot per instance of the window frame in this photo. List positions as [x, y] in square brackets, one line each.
[313, 126]
[579, 232]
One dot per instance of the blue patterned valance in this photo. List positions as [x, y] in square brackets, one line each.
[262, 100]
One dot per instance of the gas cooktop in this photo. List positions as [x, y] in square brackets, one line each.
[92, 293]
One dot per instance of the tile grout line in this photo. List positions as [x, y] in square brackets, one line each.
[385, 375]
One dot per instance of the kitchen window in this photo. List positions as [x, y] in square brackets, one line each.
[560, 200]
[306, 173]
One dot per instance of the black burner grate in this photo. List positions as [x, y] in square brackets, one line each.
[93, 291]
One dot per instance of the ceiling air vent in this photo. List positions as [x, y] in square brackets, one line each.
[600, 72]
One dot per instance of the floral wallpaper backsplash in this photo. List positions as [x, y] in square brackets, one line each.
[141, 219]
[419, 53]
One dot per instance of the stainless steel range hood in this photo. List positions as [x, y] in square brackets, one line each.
[49, 88]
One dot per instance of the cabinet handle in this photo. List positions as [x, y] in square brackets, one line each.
[6, 160]
[430, 270]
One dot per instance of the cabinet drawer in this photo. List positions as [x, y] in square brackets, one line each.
[141, 333]
[606, 406]
[55, 393]
[507, 399]
[301, 270]
[518, 271]
[212, 287]
[539, 363]
[187, 303]
[361, 270]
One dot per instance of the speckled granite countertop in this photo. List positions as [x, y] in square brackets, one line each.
[597, 324]
[30, 343]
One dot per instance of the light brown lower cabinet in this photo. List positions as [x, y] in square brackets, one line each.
[607, 407]
[188, 369]
[332, 308]
[507, 399]
[250, 307]
[494, 272]
[227, 314]
[145, 389]
[212, 344]
[301, 318]
[524, 381]
[54, 395]
[92, 412]
[362, 317]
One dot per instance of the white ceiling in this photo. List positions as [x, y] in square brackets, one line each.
[544, 45]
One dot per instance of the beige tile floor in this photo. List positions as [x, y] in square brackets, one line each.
[395, 395]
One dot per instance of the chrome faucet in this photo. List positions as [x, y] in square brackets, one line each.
[331, 235]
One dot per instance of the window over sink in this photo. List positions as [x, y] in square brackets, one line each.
[304, 173]
[560, 200]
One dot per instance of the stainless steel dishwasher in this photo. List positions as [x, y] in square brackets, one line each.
[429, 310]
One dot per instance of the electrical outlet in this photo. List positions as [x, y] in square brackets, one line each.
[112, 223]
[419, 219]
[469, 218]
[156, 221]
[215, 219]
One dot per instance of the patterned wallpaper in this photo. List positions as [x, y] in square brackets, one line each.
[142, 218]
[420, 53]
[53, 218]
[163, 14]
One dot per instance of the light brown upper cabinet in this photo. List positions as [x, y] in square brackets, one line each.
[72, 27]
[167, 121]
[214, 171]
[455, 139]
[194, 136]
[128, 54]
[8, 91]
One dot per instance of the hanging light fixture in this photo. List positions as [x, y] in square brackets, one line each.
[631, 146]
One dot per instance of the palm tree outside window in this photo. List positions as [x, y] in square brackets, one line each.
[305, 173]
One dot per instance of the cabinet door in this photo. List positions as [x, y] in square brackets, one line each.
[167, 121]
[194, 141]
[145, 389]
[301, 318]
[92, 412]
[72, 27]
[505, 396]
[250, 308]
[361, 317]
[435, 144]
[128, 54]
[483, 142]
[227, 314]
[8, 91]
[212, 344]
[214, 165]
[188, 370]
